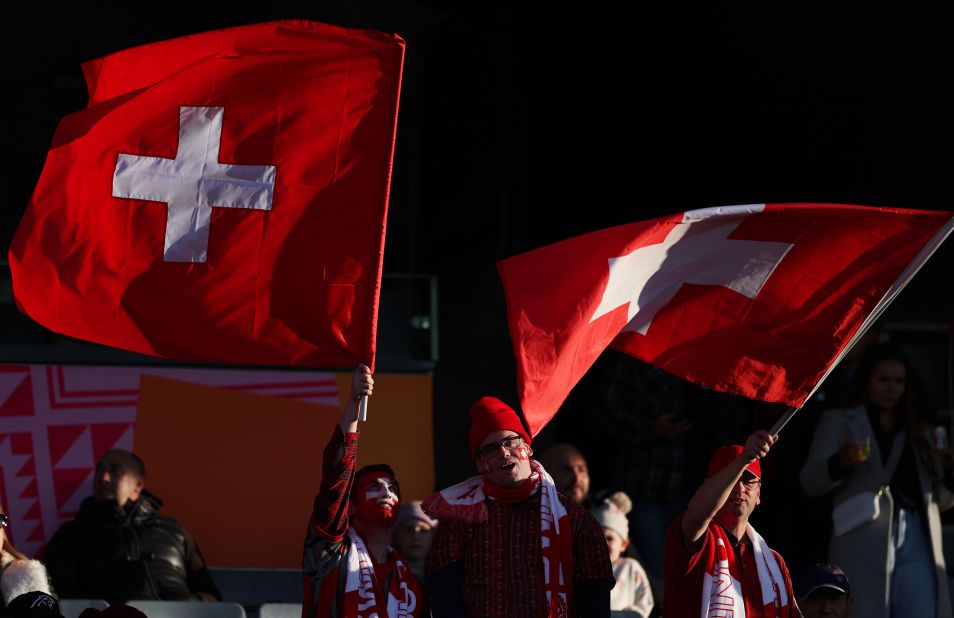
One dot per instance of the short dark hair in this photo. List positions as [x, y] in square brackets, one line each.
[131, 461]
[385, 468]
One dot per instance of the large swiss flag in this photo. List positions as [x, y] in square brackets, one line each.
[755, 300]
[222, 197]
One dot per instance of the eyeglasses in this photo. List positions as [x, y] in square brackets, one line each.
[4, 520]
[750, 483]
[509, 443]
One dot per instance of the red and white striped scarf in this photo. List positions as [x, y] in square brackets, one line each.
[722, 587]
[361, 592]
[465, 502]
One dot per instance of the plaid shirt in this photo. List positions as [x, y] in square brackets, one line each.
[326, 543]
[503, 562]
[329, 518]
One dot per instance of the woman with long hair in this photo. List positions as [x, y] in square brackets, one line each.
[18, 573]
[877, 459]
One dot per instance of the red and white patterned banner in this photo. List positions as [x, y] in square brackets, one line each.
[57, 420]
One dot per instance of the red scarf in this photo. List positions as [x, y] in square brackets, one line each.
[511, 495]
[363, 597]
[466, 502]
[722, 587]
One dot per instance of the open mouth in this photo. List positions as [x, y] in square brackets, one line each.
[508, 466]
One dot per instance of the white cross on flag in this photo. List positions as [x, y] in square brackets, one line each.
[756, 300]
[222, 198]
[193, 182]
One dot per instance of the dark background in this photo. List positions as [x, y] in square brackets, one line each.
[523, 126]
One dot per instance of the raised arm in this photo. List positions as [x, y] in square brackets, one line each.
[330, 516]
[713, 493]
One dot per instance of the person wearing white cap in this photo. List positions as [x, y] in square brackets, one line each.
[412, 535]
[632, 591]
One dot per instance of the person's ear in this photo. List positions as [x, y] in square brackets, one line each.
[625, 545]
[137, 490]
[529, 451]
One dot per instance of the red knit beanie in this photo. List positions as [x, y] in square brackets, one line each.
[488, 415]
[725, 455]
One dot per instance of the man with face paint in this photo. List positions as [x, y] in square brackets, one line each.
[508, 544]
[716, 564]
[349, 568]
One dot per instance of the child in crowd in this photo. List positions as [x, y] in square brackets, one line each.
[632, 591]
[412, 535]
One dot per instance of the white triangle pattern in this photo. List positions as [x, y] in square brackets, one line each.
[79, 454]
[83, 491]
[17, 508]
[9, 382]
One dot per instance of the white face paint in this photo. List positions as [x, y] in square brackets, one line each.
[379, 501]
[381, 489]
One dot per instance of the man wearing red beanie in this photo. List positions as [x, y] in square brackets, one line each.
[350, 569]
[715, 563]
[509, 545]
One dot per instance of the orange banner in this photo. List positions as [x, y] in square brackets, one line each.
[240, 470]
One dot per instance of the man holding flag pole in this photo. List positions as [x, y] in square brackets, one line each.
[223, 198]
[349, 567]
[715, 560]
[759, 300]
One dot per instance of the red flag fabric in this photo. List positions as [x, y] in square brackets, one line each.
[754, 300]
[222, 198]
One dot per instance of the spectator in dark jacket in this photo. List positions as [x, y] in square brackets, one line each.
[118, 548]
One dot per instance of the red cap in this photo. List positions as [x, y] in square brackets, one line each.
[725, 455]
[489, 414]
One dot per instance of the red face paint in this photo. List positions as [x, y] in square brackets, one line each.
[522, 454]
[376, 500]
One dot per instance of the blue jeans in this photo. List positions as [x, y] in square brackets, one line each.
[913, 588]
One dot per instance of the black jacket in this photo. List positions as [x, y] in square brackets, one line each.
[119, 554]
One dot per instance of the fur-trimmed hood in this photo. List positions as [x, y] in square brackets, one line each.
[21, 576]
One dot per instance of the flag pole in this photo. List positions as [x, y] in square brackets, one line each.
[363, 409]
[777, 427]
[912, 268]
